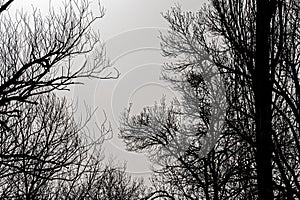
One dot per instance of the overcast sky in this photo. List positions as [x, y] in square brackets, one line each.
[130, 30]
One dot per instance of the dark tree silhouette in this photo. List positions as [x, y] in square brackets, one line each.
[257, 154]
[38, 53]
[115, 183]
[262, 87]
[44, 152]
[47, 155]
[172, 136]
[4, 5]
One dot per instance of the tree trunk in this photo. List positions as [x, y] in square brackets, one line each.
[263, 99]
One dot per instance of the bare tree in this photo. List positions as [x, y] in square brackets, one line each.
[264, 142]
[173, 138]
[38, 53]
[44, 152]
[260, 41]
[115, 183]
[47, 155]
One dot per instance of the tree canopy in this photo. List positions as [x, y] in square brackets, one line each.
[254, 46]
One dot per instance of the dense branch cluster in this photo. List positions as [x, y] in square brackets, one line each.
[223, 34]
[44, 152]
[232, 134]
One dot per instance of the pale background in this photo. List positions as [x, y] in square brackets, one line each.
[130, 30]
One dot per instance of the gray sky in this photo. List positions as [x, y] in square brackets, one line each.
[130, 29]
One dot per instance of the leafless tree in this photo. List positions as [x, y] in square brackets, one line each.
[115, 183]
[173, 138]
[265, 50]
[261, 133]
[47, 155]
[44, 152]
[40, 54]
